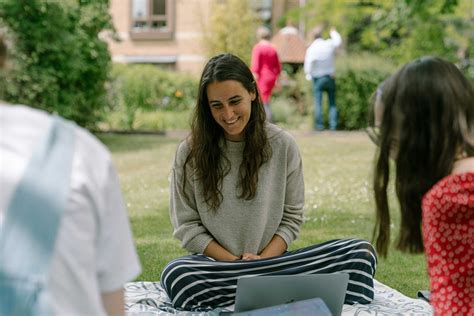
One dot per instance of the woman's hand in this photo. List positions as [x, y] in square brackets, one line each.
[216, 251]
[250, 256]
[276, 247]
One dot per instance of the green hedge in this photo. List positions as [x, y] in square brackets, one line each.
[357, 78]
[139, 89]
[57, 62]
[147, 97]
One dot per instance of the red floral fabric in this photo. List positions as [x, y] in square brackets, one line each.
[448, 233]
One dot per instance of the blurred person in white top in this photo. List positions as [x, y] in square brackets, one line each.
[319, 67]
[94, 254]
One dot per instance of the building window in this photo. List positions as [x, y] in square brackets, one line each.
[152, 19]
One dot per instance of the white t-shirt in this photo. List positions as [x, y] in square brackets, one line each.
[94, 251]
[319, 57]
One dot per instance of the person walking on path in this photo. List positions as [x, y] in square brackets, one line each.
[319, 67]
[266, 67]
[237, 198]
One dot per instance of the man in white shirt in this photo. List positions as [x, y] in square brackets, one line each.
[319, 67]
[94, 254]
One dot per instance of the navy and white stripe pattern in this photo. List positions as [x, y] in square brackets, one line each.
[196, 281]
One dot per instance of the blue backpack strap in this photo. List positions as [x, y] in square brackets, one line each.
[31, 223]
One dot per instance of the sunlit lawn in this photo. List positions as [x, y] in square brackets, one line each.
[339, 202]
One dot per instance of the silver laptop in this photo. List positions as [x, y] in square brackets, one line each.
[263, 291]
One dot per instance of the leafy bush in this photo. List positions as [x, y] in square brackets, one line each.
[146, 97]
[163, 120]
[286, 114]
[357, 78]
[136, 90]
[400, 30]
[230, 28]
[145, 88]
[354, 89]
[292, 86]
[57, 61]
[282, 110]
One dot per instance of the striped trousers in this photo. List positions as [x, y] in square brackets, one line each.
[195, 282]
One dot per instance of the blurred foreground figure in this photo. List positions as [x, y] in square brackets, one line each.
[424, 121]
[65, 243]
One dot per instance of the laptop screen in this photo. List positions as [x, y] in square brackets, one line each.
[313, 307]
[264, 291]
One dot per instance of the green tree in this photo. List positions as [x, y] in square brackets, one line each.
[399, 29]
[409, 29]
[231, 29]
[58, 62]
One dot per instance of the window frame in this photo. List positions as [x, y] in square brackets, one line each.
[151, 34]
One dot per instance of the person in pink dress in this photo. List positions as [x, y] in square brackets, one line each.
[424, 121]
[265, 66]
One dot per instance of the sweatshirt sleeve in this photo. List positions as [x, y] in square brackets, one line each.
[185, 218]
[294, 197]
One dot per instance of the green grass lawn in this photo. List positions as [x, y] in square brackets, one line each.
[339, 202]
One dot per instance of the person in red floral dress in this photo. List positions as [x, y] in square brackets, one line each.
[424, 121]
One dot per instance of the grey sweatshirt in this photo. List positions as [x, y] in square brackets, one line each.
[241, 225]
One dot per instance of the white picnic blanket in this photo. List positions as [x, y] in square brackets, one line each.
[149, 299]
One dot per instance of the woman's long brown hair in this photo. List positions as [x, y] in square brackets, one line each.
[206, 157]
[429, 119]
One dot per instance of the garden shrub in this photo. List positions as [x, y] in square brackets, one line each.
[230, 28]
[147, 97]
[57, 60]
[163, 120]
[292, 86]
[357, 78]
[282, 110]
[354, 90]
[147, 88]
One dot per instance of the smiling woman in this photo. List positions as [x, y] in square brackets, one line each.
[237, 197]
[230, 107]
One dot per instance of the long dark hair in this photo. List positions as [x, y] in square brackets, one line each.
[205, 156]
[428, 118]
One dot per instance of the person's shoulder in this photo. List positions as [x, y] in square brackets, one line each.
[452, 184]
[259, 46]
[314, 44]
[184, 145]
[278, 134]
[24, 124]
[35, 117]
[32, 119]
[23, 114]
[183, 149]
[272, 130]
[283, 144]
[465, 165]
[90, 142]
